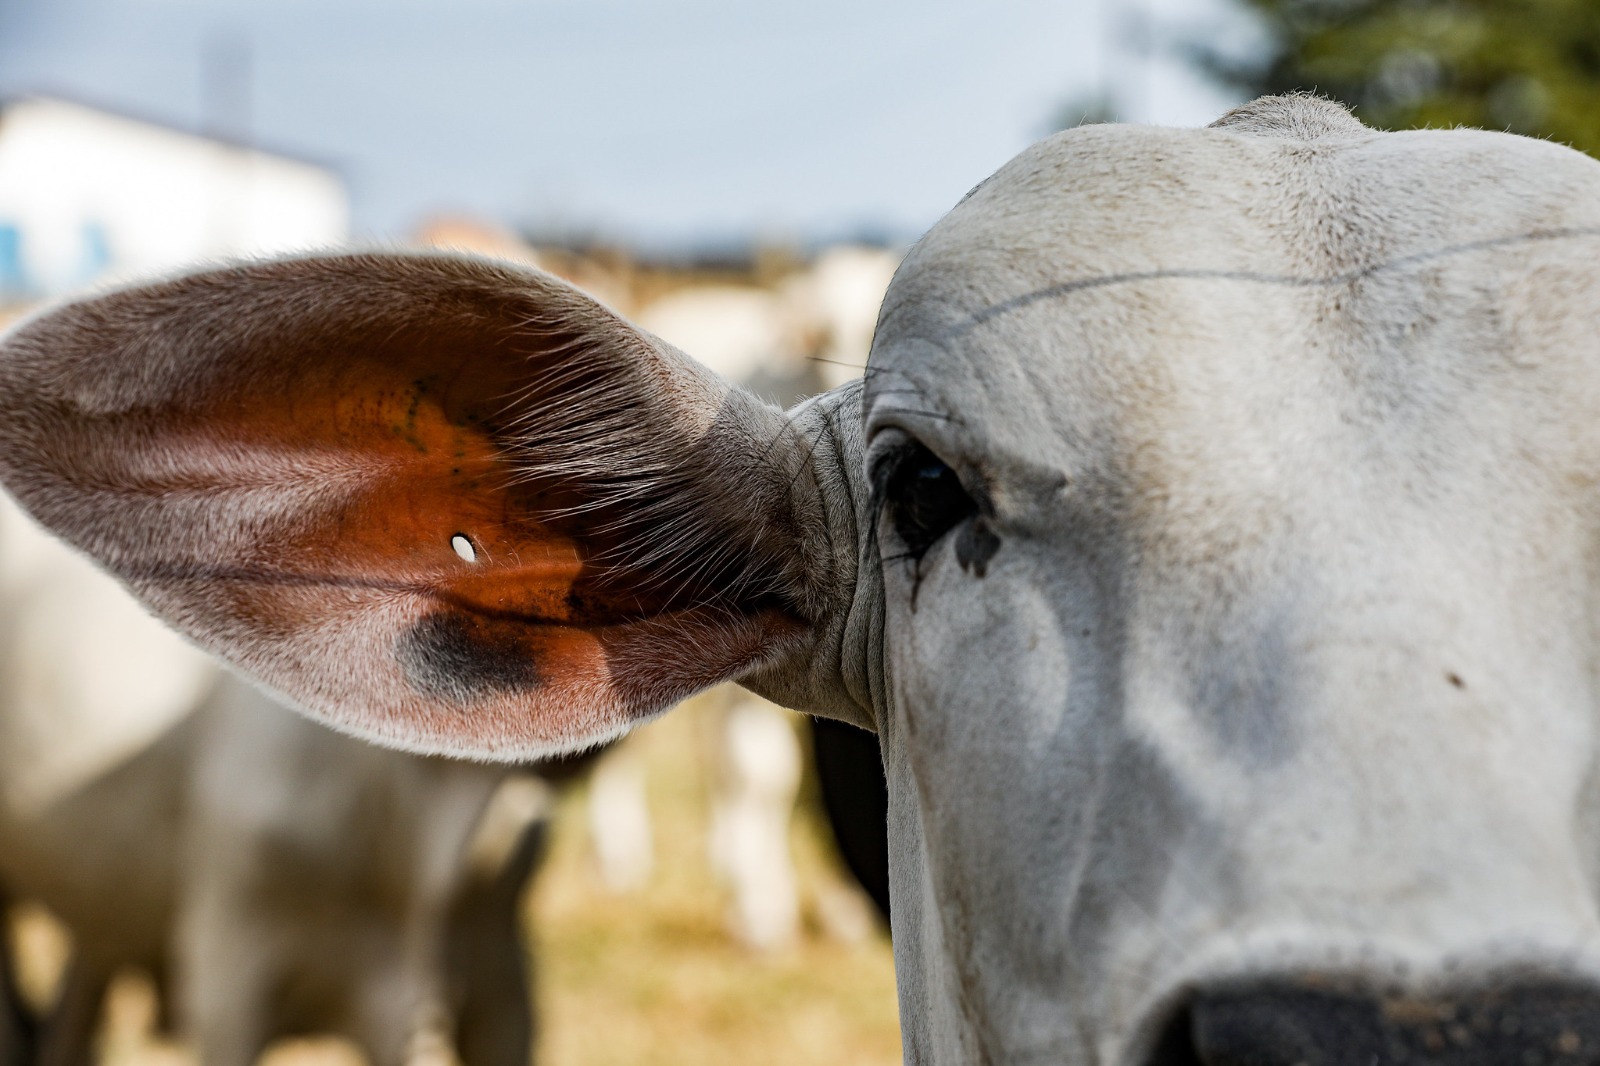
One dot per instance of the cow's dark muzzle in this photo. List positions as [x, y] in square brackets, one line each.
[1308, 1023]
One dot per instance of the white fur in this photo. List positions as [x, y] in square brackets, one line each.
[757, 780]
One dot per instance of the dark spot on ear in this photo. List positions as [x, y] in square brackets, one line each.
[976, 544]
[459, 657]
[583, 607]
[1455, 679]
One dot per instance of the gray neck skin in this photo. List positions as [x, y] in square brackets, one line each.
[849, 646]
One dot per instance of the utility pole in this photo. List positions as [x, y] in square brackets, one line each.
[226, 63]
[225, 84]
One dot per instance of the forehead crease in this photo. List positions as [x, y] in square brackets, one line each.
[885, 379]
[1045, 359]
[938, 346]
[997, 309]
[1118, 205]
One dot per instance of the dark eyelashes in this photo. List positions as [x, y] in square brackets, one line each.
[880, 475]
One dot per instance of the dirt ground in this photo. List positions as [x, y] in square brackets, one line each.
[649, 978]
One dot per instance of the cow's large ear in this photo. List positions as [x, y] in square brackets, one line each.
[442, 503]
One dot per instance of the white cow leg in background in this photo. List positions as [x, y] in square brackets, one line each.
[763, 339]
[67, 1037]
[16, 1026]
[227, 971]
[404, 1021]
[757, 781]
[619, 820]
[484, 946]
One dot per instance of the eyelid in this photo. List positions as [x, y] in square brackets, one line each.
[885, 446]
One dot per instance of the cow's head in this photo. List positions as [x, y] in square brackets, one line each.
[1213, 543]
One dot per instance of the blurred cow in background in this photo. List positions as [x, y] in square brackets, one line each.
[785, 338]
[785, 343]
[273, 877]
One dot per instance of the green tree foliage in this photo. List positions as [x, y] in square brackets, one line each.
[1529, 66]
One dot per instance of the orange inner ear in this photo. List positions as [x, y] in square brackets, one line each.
[420, 437]
[424, 467]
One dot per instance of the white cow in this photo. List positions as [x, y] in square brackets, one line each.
[275, 877]
[1212, 545]
[774, 343]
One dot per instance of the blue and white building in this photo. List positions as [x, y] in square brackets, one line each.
[90, 196]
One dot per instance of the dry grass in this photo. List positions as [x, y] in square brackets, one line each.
[650, 978]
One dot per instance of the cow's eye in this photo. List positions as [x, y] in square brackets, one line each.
[924, 499]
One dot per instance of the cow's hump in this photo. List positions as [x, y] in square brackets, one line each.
[1298, 116]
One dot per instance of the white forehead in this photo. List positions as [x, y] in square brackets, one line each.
[1112, 285]
[1295, 185]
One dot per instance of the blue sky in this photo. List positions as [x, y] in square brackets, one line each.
[661, 123]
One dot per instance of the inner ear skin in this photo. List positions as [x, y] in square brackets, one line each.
[434, 456]
[553, 552]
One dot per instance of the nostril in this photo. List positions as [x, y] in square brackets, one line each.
[1287, 1026]
[1175, 1046]
[1306, 1024]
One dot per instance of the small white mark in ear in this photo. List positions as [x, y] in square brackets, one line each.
[464, 548]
